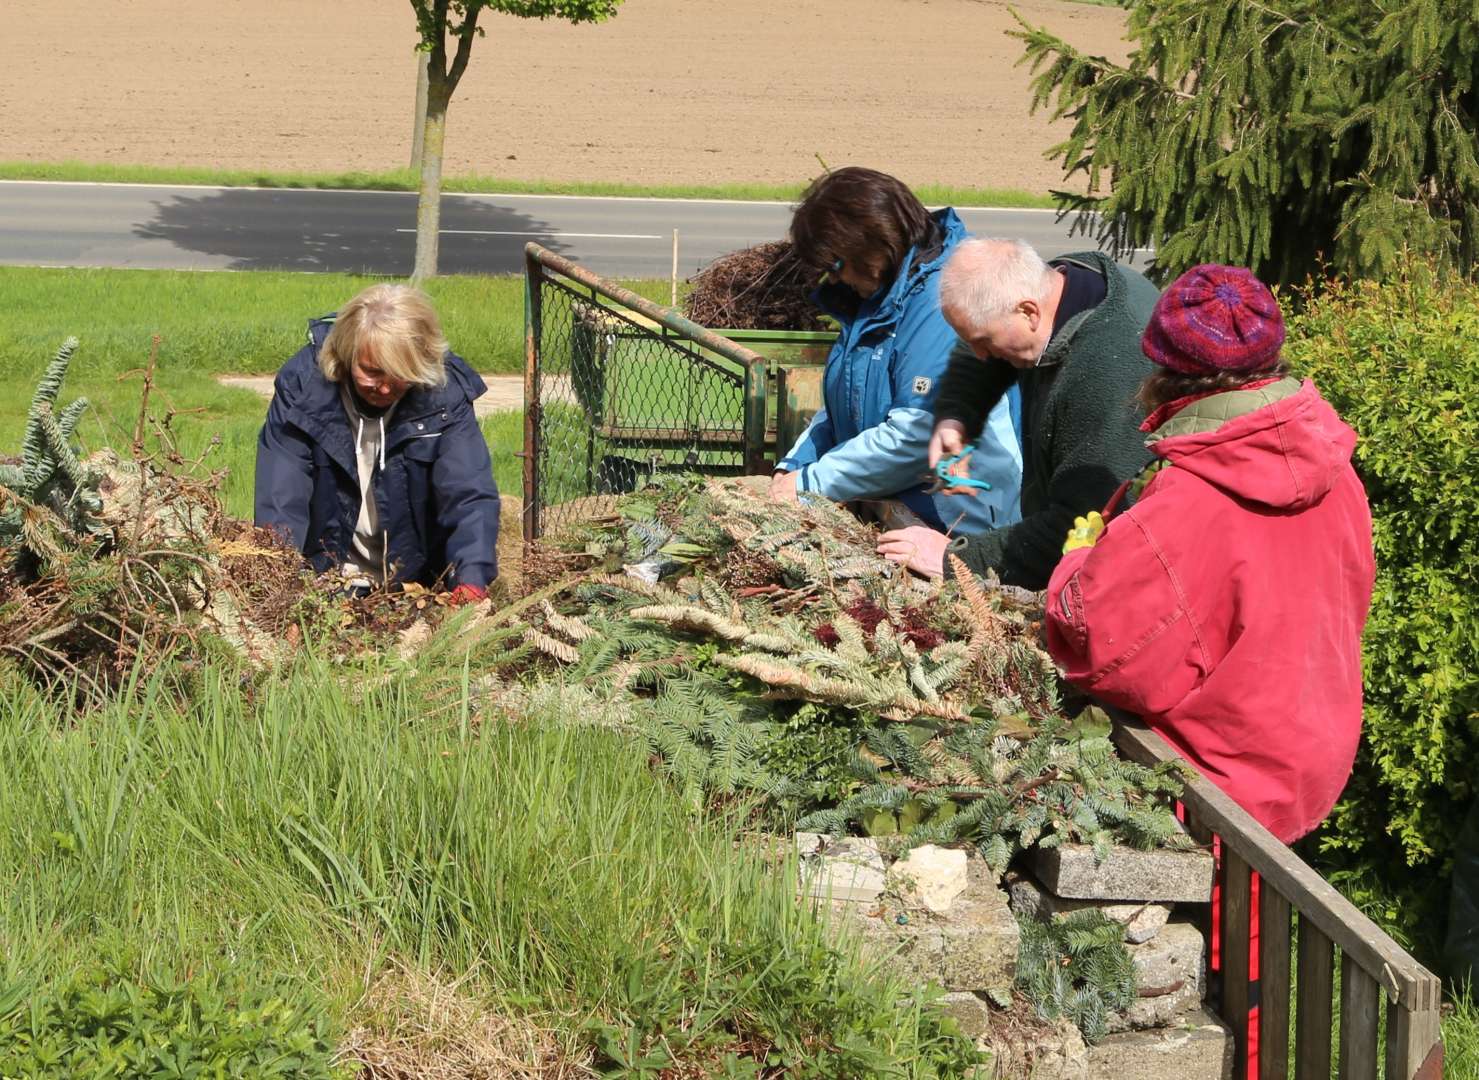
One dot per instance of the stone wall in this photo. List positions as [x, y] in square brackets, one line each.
[940, 915]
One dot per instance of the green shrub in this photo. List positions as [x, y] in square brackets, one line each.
[105, 1023]
[1400, 362]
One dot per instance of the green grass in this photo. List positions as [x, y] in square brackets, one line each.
[338, 821]
[232, 322]
[404, 180]
[316, 828]
[213, 323]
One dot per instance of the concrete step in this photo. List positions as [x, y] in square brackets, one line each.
[1198, 1048]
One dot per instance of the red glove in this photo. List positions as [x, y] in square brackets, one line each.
[466, 594]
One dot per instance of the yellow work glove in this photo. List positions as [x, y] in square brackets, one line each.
[1085, 532]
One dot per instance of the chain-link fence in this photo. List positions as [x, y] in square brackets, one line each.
[618, 389]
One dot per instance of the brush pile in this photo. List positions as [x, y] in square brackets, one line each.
[108, 561]
[765, 649]
[764, 287]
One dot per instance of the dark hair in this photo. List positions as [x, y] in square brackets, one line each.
[1163, 385]
[853, 211]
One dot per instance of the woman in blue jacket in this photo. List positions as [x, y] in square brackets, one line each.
[371, 461]
[882, 253]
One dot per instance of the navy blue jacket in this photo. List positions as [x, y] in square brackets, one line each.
[436, 497]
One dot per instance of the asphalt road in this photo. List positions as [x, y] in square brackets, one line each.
[207, 228]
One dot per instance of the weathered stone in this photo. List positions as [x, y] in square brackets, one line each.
[969, 1011]
[1170, 971]
[1142, 921]
[1200, 1048]
[849, 870]
[973, 946]
[1070, 871]
[931, 876]
[1041, 1052]
[808, 843]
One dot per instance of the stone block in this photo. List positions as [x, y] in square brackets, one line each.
[969, 1011]
[1070, 871]
[931, 877]
[808, 843]
[973, 946]
[1142, 921]
[850, 869]
[1199, 1048]
[1171, 972]
[1038, 1050]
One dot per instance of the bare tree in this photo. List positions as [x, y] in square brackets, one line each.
[447, 29]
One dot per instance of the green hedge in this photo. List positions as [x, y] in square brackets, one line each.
[1400, 361]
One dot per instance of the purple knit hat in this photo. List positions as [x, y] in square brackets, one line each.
[1212, 319]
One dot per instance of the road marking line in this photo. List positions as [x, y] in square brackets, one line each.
[546, 232]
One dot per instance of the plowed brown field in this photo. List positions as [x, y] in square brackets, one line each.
[670, 91]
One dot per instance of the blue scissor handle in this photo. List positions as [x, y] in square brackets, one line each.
[945, 480]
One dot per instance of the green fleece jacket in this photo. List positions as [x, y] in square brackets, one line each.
[1081, 433]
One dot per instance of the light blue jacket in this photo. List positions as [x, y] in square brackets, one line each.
[871, 438]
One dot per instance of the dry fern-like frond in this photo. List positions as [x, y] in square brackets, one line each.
[560, 650]
[568, 625]
[627, 583]
[986, 628]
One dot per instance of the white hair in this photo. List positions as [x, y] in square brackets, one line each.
[987, 278]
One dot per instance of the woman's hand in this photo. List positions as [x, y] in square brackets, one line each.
[783, 486]
[917, 547]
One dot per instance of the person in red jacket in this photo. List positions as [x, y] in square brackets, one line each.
[1225, 604]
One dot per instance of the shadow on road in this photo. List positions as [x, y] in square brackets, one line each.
[349, 232]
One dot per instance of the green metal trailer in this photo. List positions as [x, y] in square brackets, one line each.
[617, 388]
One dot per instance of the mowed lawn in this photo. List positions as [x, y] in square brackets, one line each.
[209, 324]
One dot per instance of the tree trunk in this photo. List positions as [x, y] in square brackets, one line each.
[429, 205]
[418, 132]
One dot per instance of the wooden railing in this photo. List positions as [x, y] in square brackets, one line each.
[1372, 965]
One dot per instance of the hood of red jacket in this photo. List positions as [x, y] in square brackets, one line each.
[1284, 455]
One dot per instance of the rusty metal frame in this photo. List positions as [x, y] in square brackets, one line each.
[543, 266]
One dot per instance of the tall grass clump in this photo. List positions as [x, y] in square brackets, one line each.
[320, 827]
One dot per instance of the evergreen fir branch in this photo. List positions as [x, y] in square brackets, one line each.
[569, 627]
[852, 644]
[69, 416]
[785, 680]
[565, 653]
[1076, 965]
[985, 628]
[627, 583]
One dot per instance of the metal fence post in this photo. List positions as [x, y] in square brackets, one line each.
[757, 378]
[533, 281]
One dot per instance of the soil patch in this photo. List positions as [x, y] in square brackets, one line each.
[669, 91]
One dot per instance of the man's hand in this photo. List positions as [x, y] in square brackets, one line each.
[466, 594]
[783, 486]
[918, 547]
[1085, 532]
[947, 441]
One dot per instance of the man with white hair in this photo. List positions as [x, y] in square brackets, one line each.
[1066, 332]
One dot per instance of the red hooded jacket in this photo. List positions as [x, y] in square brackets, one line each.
[1226, 606]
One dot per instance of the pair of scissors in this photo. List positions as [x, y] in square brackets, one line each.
[943, 481]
